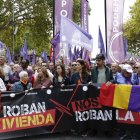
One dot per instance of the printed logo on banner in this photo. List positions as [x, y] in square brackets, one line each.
[127, 117]
[23, 116]
[84, 110]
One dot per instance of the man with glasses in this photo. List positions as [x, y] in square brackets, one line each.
[137, 67]
[114, 68]
[73, 67]
[127, 76]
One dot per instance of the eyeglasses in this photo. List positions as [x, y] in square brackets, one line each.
[74, 65]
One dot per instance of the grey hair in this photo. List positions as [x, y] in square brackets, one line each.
[22, 74]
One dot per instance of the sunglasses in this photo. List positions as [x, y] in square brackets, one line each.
[135, 67]
[74, 64]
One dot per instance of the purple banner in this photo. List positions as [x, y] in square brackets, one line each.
[62, 8]
[84, 14]
[76, 35]
[84, 23]
[114, 23]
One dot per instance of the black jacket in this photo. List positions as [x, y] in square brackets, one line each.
[108, 73]
[76, 77]
[65, 81]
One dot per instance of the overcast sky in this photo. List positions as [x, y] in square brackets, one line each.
[97, 19]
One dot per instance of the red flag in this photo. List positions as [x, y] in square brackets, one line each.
[107, 95]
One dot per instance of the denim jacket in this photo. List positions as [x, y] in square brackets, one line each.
[19, 87]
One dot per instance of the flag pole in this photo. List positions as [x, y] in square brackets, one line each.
[53, 32]
[13, 30]
[105, 27]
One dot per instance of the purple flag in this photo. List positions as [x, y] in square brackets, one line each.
[84, 22]
[62, 8]
[71, 56]
[76, 35]
[33, 58]
[114, 22]
[125, 47]
[101, 43]
[56, 39]
[44, 56]
[8, 56]
[1, 45]
[25, 50]
[21, 52]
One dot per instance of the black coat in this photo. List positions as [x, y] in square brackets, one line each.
[76, 77]
[65, 81]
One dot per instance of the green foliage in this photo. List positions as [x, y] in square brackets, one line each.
[34, 19]
[132, 29]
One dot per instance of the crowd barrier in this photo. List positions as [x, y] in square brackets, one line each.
[52, 110]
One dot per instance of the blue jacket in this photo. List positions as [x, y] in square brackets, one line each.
[19, 87]
[120, 79]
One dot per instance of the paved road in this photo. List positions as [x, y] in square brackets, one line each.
[100, 136]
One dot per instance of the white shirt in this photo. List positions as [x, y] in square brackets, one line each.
[7, 71]
[2, 85]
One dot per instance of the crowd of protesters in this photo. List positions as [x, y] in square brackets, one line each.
[23, 76]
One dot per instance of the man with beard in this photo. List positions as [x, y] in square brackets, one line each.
[101, 73]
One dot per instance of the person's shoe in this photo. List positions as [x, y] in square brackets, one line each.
[123, 136]
[134, 138]
[108, 134]
[92, 133]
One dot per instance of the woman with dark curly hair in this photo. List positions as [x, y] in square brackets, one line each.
[81, 76]
[60, 78]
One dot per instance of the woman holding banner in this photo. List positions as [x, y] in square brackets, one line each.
[43, 79]
[81, 76]
[60, 78]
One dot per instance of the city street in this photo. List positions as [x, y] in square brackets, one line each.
[100, 136]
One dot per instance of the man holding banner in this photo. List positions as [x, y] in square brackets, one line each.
[101, 73]
[127, 77]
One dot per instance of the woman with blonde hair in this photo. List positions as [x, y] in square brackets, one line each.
[43, 79]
